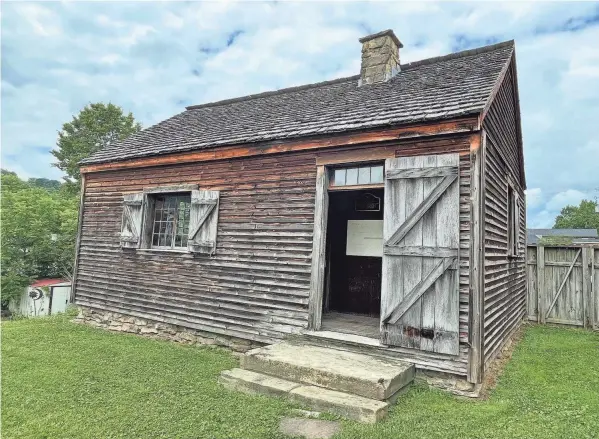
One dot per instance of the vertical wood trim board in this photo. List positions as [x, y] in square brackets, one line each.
[541, 284]
[586, 288]
[321, 210]
[476, 358]
[78, 241]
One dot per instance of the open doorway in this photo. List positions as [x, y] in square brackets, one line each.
[352, 296]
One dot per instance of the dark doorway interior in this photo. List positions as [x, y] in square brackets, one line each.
[353, 282]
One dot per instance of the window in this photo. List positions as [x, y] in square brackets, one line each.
[180, 217]
[171, 220]
[513, 221]
[363, 175]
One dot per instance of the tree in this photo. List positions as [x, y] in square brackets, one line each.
[96, 126]
[38, 234]
[578, 217]
[46, 183]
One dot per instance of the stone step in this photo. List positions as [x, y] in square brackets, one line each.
[252, 382]
[333, 369]
[316, 398]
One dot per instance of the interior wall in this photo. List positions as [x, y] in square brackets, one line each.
[354, 281]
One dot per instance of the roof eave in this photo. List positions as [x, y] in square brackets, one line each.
[463, 123]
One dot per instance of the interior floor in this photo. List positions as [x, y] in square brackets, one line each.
[356, 324]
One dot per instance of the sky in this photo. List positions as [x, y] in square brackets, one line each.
[153, 59]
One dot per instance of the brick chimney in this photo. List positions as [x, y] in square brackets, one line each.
[380, 57]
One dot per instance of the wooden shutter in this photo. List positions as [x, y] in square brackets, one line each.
[131, 225]
[203, 221]
[420, 296]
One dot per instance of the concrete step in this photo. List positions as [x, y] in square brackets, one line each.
[316, 398]
[349, 372]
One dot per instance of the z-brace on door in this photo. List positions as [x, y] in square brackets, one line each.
[420, 296]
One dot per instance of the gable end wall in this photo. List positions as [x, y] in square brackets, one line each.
[504, 277]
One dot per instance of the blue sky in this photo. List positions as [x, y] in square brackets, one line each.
[153, 59]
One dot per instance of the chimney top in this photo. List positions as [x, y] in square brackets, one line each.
[380, 57]
[388, 32]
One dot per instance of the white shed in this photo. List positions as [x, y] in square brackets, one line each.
[43, 297]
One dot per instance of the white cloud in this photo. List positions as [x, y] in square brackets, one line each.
[155, 58]
[110, 58]
[534, 197]
[43, 22]
[173, 21]
[565, 198]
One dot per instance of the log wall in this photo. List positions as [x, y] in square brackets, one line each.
[504, 276]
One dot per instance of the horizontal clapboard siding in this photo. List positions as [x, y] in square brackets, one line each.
[257, 285]
[504, 277]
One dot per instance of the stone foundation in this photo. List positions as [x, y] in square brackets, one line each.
[163, 331]
[448, 382]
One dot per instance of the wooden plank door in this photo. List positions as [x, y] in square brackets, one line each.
[419, 292]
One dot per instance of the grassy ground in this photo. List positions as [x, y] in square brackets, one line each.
[61, 380]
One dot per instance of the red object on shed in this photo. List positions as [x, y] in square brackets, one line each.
[47, 282]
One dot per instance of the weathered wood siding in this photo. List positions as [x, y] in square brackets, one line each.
[504, 276]
[257, 285]
[560, 287]
[461, 145]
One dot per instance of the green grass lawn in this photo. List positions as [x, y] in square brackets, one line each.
[62, 380]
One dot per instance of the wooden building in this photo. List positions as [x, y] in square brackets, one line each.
[387, 206]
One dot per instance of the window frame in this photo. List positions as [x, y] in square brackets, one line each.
[147, 233]
[357, 167]
[153, 219]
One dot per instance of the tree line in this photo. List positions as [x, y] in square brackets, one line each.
[39, 215]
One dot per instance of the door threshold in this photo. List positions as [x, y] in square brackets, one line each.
[346, 338]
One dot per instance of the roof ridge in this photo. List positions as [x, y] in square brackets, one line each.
[272, 92]
[354, 77]
[460, 54]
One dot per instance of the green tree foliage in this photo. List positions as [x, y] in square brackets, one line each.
[38, 233]
[46, 183]
[578, 217]
[96, 126]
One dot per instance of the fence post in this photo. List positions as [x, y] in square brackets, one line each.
[587, 307]
[594, 291]
[541, 283]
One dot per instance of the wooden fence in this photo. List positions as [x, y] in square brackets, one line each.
[563, 285]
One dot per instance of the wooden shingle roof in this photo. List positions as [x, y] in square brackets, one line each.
[434, 89]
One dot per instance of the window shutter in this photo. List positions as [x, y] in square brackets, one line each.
[203, 221]
[131, 225]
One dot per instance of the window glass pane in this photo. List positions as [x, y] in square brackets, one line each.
[182, 223]
[351, 176]
[171, 220]
[364, 176]
[376, 174]
[339, 177]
